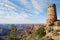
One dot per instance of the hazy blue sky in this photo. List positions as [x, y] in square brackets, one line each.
[25, 11]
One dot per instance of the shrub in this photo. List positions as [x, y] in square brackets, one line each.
[55, 34]
[50, 29]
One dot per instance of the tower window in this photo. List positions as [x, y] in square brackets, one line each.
[49, 7]
[52, 6]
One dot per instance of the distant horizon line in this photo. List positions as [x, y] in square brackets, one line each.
[22, 23]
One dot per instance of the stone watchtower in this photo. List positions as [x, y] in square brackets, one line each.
[52, 16]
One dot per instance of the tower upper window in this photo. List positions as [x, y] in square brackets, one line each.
[50, 6]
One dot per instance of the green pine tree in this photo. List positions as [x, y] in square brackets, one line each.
[12, 35]
[13, 31]
[59, 23]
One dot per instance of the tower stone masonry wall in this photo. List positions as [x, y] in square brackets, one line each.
[52, 16]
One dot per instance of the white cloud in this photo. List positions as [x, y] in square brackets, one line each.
[13, 13]
[39, 5]
[35, 6]
[14, 18]
[9, 15]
